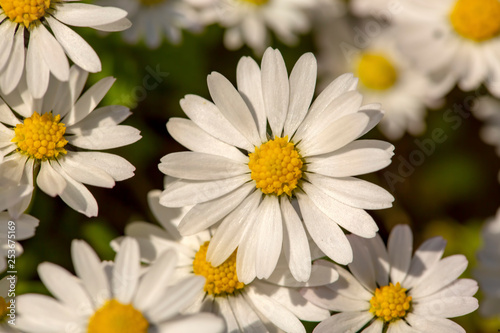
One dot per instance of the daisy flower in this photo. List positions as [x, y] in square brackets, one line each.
[453, 41]
[7, 305]
[248, 21]
[260, 306]
[249, 179]
[114, 297]
[55, 135]
[152, 19]
[377, 8]
[488, 270]
[389, 290]
[386, 77]
[27, 45]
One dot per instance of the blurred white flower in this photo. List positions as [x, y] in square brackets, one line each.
[28, 46]
[247, 21]
[453, 41]
[385, 77]
[41, 133]
[114, 297]
[389, 290]
[248, 178]
[7, 305]
[487, 109]
[488, 270]
[384, 9]
[260, 306]
[153, 19]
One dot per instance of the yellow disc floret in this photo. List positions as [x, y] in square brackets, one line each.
[24, 11]
[220, 280]
[115, 317]
[478, 20]
[375, 71]
[276, 166]
[3, 309]
[41, 137]
[390, 302]
[257, 2]
[151, 2]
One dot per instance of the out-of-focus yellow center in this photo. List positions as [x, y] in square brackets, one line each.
[276, 166]
[24, 11]
[390, 302]
[3, 309]
[41, 137]
[256, 2]
[220, 280]
[376, 72]
[151, 2]
[115, 317]
[478, 20]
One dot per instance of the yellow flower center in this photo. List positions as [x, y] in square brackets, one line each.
[376, 72]
[478, 20]
[256, 2]
[25, 11]
[115, 317]
[219, 280]
[276, 166]
[151, 2]
[41, 137]
[3, 309]
[390, 302]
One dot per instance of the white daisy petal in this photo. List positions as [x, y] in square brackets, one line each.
[275, 89]
[439, 275]
[52, 53]
[13, 69]
[75, 46]
[446, 308]
[270, 236]
[188, 324]
[105, 117]
[245, 314]
[325, 232]
[330, 299]
[227, 99]
[37, 71]
[354, 220]
[188, 134]
[103, 138]
[115, 166]
[85, 15]
[88, 268]
[362, 267]
[399, 247]
[200, 166]
[295, 243]
[249, 84]
[458, 288]
[50, 181]
[7, 31]
[400, 326]
[433, 324]
[380, 257]
[376, 326]
[120, 25]
[180, 193]
[65, 287]
[86, 174]
[67, 94]
[302, 85]
[126, 271]
[344, 322]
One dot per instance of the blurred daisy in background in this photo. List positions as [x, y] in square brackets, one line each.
[385, 77]
[153, 19]
[247, 21]
[14, 225]
[114, 297]
[453, 41]
[389, 290]
[488, 270]
[6, 304]
[487, 109]
[27, 44]
[311, 154]
[51, 139]
[260, 306]
[384, 9]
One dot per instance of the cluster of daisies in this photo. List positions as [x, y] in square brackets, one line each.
[262, 222]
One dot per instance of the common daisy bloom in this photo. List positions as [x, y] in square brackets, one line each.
[453, 41]
[247, 21]
[388, 290]
[248, 178]
[488, 270]
[377, 8]
[7, 305]
[25, 22]
[152, 19]
[55, 135]
[386, 77]
[114, 297]
[270, 305]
